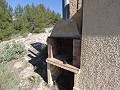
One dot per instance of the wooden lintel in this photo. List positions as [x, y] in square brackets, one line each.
[60, 64]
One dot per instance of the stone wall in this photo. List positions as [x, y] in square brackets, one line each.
[100, 58]
[75, 5]
[76, 12]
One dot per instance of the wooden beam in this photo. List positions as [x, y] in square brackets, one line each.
[60, 64]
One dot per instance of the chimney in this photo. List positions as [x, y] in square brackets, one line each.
[65, 7]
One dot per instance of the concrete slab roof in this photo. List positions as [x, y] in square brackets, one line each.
[66, 29]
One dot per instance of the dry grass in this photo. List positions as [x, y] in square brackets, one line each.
[9, 79]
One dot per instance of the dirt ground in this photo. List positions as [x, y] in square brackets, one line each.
[30, 70]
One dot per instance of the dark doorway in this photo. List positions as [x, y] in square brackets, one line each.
[66, 80]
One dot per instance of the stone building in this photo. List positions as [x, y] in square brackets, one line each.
[85, 49]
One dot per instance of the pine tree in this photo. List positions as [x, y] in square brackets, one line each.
[26, 19]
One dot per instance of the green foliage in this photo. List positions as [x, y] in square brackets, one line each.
[30, 18]
[12, 50]
[8, 80]
[37, 30]
[24, 32]
[6, 34]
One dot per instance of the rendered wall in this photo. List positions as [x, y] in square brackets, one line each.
[100, 60]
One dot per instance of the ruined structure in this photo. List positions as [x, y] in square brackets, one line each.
[64, 45]
[88, 45]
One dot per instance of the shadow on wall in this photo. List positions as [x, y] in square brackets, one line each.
[38, 56]
[77, 17]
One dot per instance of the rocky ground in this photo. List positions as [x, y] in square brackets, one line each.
[32, 67]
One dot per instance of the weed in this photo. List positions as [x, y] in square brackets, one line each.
[12, 50]
[9, 80]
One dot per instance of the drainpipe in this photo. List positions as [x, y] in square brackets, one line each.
[65, 8]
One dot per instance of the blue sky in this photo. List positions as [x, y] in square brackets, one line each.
[55, 5]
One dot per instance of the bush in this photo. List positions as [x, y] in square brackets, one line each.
[24, 32]
[6, 34]
[12, 50]
[9, 80]
[37, 30]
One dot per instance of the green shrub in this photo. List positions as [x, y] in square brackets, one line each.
[37, 30]
[24, 32]
[6, 34]
[12, 50]
[9, 80]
